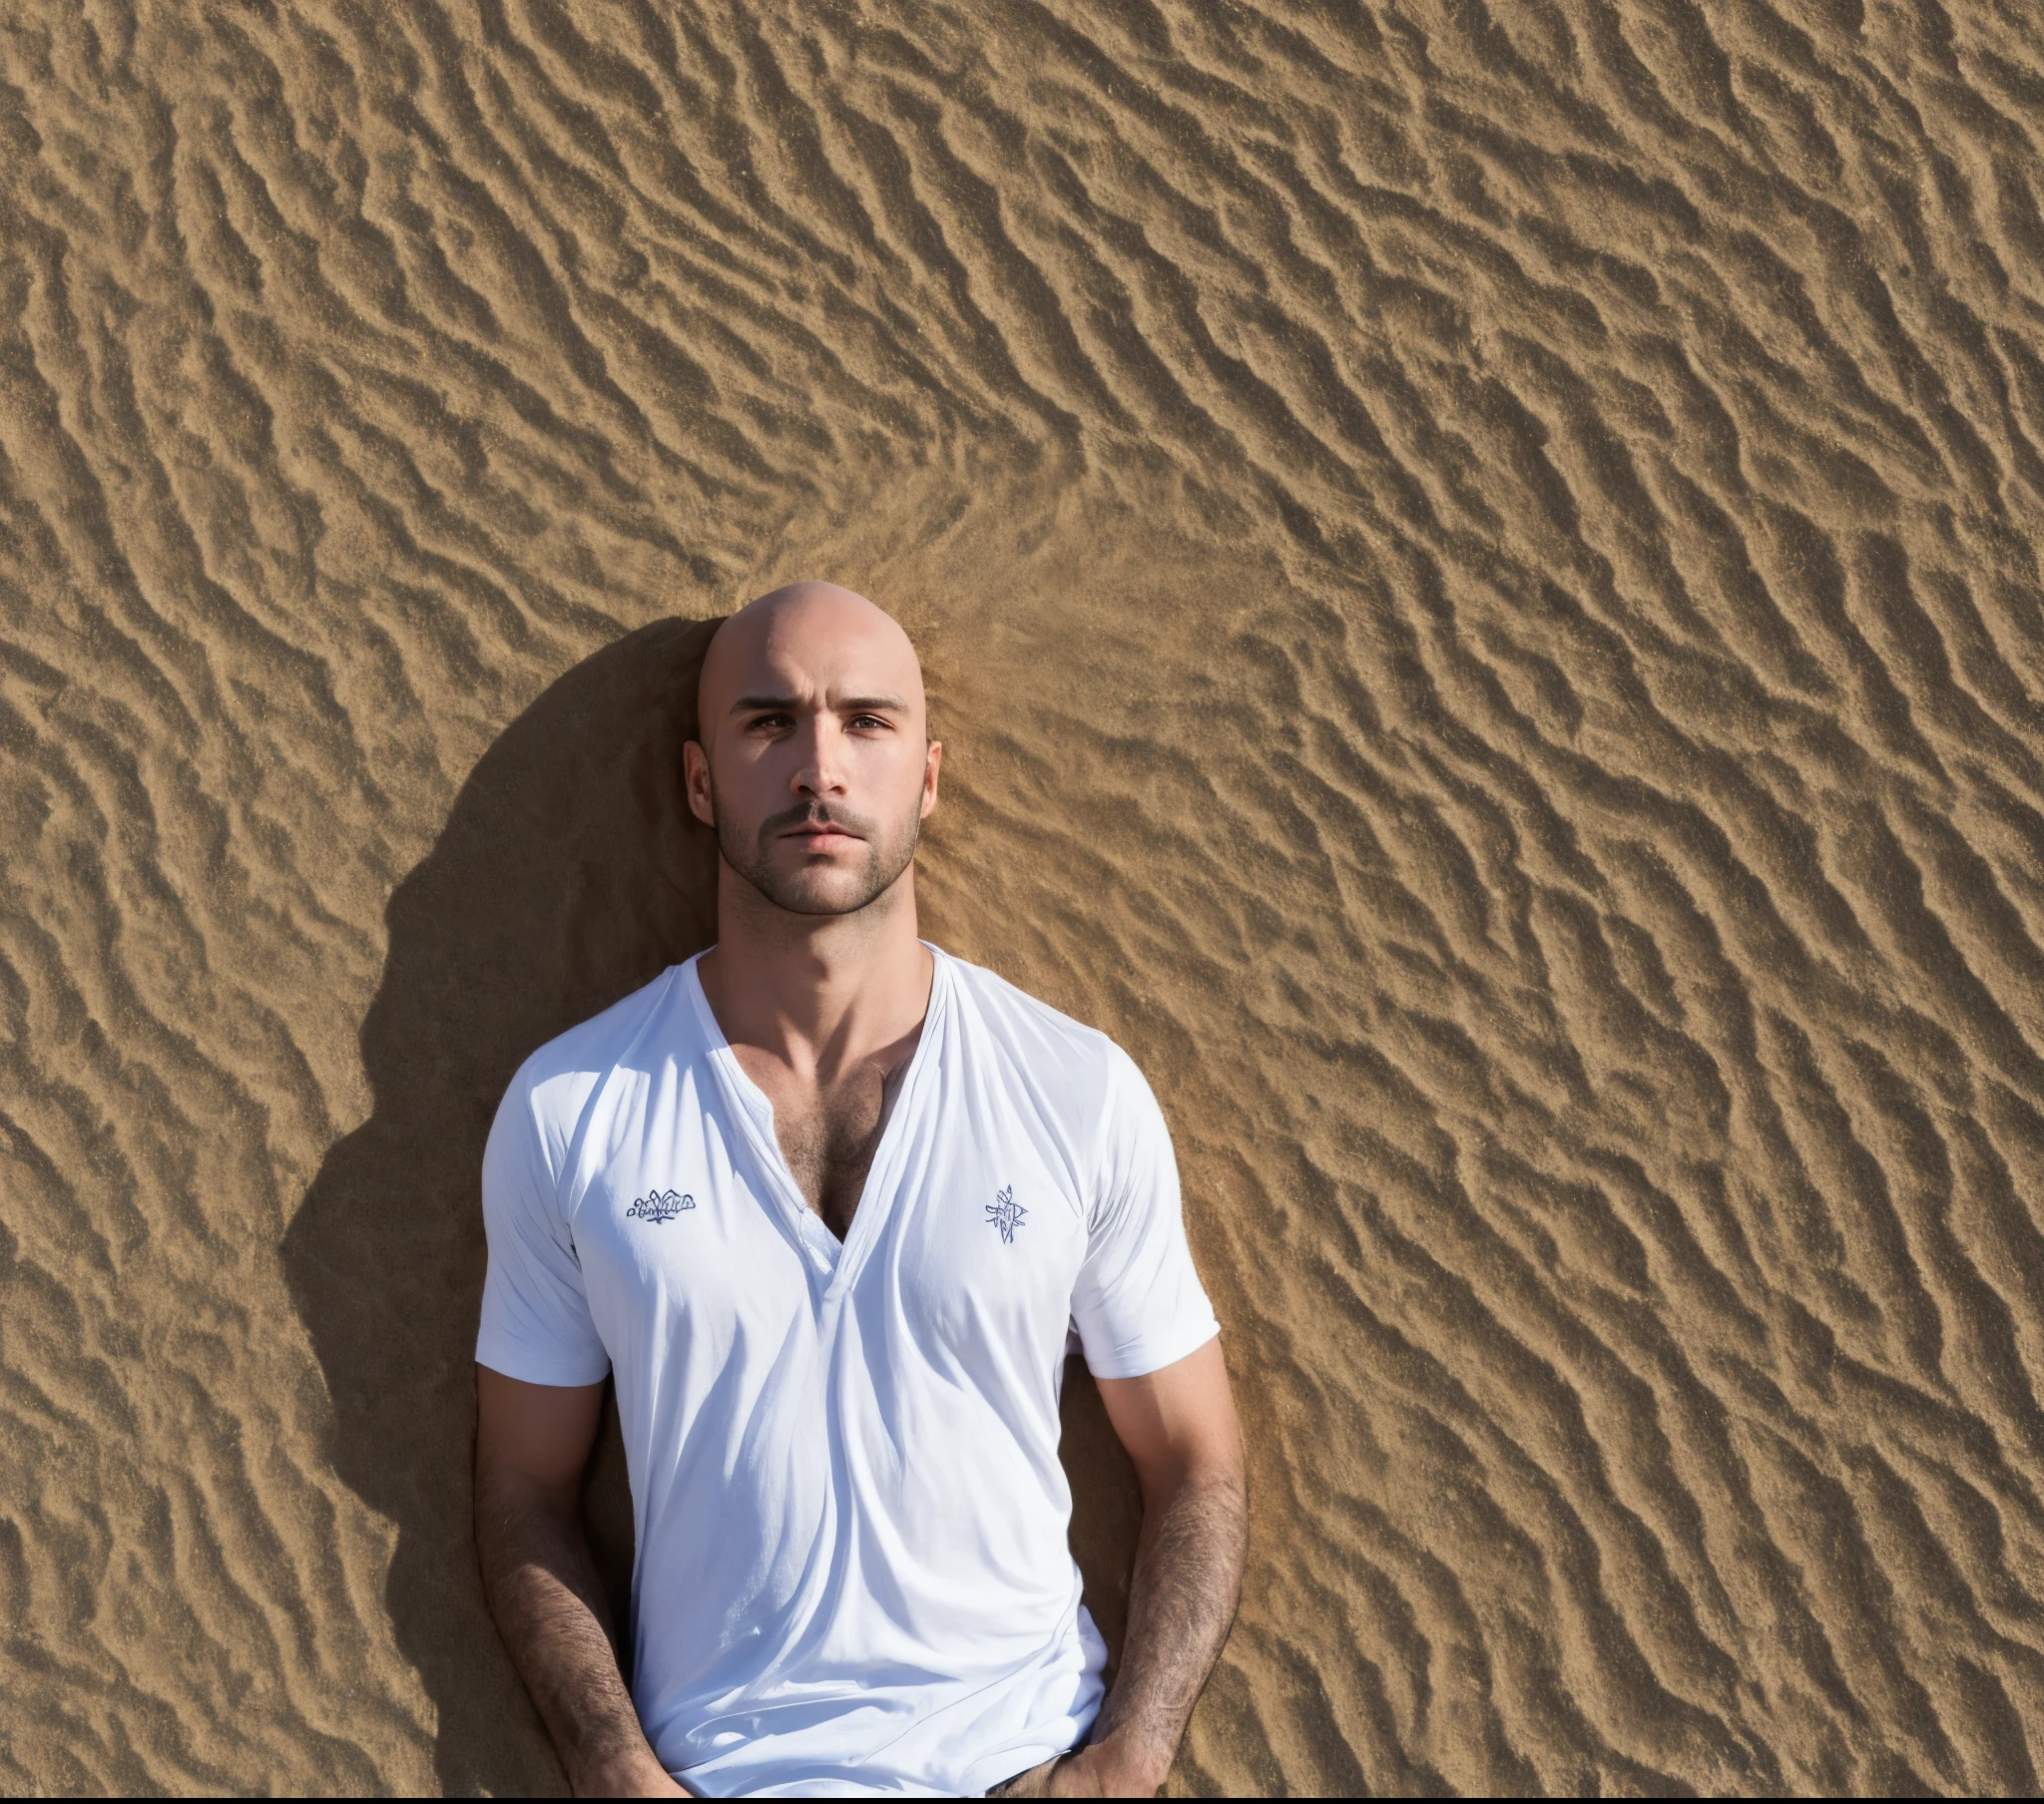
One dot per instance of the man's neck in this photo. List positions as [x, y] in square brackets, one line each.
[818, 993]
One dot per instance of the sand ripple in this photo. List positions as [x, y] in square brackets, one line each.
[1479, 574]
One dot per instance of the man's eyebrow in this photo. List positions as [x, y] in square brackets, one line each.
[856, 704]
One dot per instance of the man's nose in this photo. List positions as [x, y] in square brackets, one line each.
[820, 771]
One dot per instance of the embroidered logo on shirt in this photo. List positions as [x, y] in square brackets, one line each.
[661, 1206]
[1006, 1214]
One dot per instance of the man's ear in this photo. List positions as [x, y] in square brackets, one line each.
[932, 761]
[696, 783]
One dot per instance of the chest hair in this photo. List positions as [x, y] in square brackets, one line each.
[828, 1140]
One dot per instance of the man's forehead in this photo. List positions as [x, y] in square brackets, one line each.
[833, 666]
[813, 642]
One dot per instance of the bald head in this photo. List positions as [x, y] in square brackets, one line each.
[812, 761]
[813, 626]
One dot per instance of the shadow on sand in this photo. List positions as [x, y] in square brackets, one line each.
[568, 874]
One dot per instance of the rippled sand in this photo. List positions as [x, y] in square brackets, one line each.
[1479, 572]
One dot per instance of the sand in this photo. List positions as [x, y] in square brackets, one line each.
[1479, 577]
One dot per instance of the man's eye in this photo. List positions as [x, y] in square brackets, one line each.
[867, 721]
[774, 722]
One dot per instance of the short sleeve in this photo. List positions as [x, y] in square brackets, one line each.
[1138, 1305]
[536, 1323]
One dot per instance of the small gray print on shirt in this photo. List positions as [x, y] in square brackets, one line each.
[661, 1206]
[1006, 1214]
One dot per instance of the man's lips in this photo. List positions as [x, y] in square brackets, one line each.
[822, 838]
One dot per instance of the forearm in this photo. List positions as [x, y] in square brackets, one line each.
[1182, 1603]
[548, 1602]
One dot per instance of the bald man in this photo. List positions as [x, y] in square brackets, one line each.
[831, 1206]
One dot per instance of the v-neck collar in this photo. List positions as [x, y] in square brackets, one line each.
[837, 1260]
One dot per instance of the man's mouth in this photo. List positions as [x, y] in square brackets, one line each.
[823, 836]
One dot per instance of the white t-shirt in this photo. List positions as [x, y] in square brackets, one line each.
[852, 1571]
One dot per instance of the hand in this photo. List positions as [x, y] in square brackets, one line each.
[1090, 1772]
[1034, 1782]
[639, 1775]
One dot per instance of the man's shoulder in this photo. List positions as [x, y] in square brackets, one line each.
[607, 1040]
[1033, 1031]
[1072, 1078]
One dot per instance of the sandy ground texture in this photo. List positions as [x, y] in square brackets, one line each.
[1479, 568]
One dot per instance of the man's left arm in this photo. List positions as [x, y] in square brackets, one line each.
[1180, 1429]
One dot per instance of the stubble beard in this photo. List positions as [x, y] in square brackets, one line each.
[888, 856]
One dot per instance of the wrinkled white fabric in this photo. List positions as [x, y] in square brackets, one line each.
[852, 1572]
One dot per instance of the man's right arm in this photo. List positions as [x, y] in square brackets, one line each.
[532, 1445]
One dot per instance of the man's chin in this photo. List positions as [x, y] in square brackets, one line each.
[826, 884]
[820, 907]
[822, 892]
